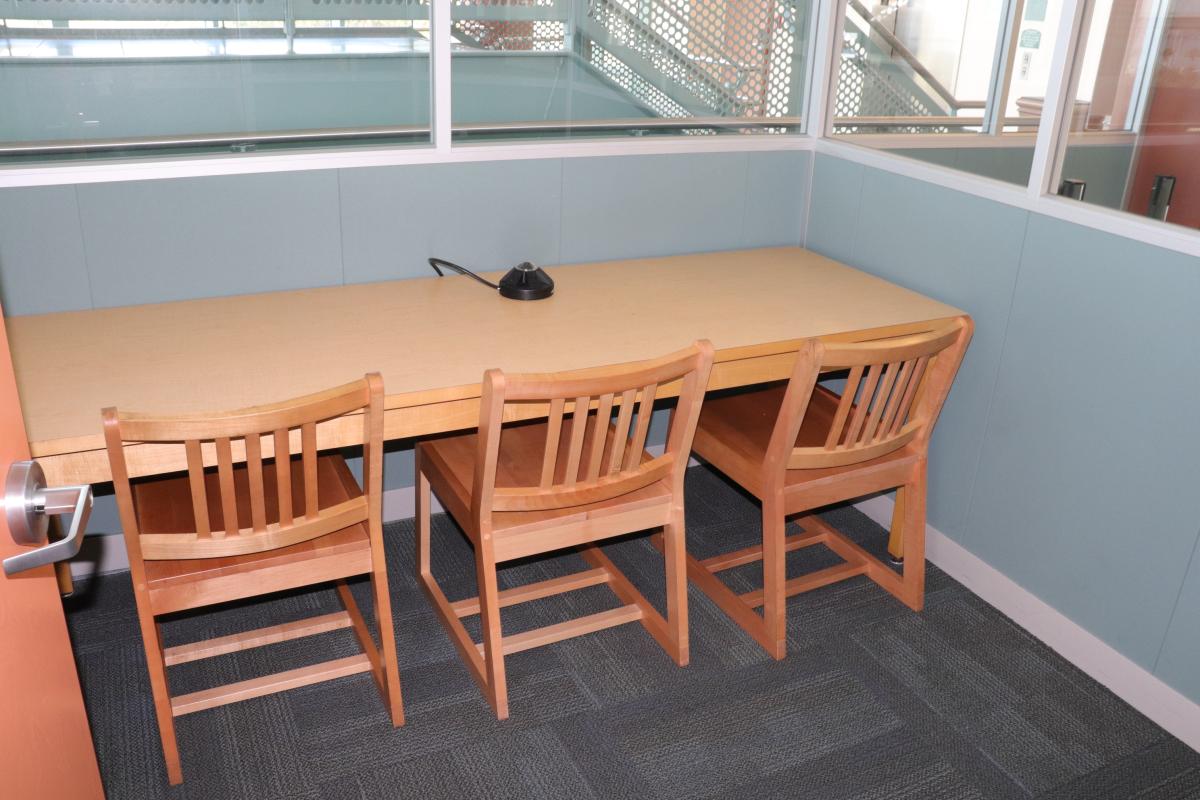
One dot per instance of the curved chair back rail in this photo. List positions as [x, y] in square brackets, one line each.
[588, 458]
[894, 392]
[264, 432]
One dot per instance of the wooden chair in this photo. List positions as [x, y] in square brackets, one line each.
[799, 447]
[211, 536]
[571, 480]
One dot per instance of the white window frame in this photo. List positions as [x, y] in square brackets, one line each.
[1036, 196]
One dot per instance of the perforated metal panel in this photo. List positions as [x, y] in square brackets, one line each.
[503, 33]
[544, 35]
[623, 75]
[722, 57]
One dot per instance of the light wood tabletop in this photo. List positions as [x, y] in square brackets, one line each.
[432, 339]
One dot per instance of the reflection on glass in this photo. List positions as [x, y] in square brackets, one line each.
[956, 84]
[550, 68]
[80, 78]
[1136, 127]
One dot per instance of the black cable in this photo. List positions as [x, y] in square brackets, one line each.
[433, 262]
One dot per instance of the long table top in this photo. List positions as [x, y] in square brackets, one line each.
[432, 339]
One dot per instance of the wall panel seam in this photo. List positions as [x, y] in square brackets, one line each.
[742, 237]
[562, 205]
[862, 190]
[341, 217]
[1175, 606]
[806, 215]
[987, 414]
[83, 245]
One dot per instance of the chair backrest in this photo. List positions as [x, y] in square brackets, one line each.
[254, 434]
[604, 459]
[894, 392]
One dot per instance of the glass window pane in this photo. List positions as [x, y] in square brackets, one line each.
[80, 78]
[956, 84]
[1135, 129]
[555, 68]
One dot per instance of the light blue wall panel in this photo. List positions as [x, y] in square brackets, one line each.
[387, 216]
[776, 189]
[962, 250]
[498, 213]
[1179, 662]
[1086, 492]
[151, 241]
[837, 187]
[42, 264]
[484, 215]
[652, 205]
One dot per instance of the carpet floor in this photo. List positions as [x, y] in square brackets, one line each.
[873, 701]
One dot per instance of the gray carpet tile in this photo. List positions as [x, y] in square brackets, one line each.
[873, 702]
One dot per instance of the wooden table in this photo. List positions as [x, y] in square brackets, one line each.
[431, 339]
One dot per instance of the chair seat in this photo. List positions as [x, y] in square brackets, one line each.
[164, 505]
[450, 465]
[735, 430]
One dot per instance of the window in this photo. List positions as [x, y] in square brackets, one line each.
[1135, 127]
[959, 84]
[136, 76]
[553, 68]
[87, 78]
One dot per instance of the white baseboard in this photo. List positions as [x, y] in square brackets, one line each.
[1129, 681]
[1132, 683]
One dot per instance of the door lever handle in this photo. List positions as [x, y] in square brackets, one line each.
[29, 504]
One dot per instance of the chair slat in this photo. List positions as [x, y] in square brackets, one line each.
[228, 490]
[645, 411]
[195, 460]
[843, 409]
[889, 414]
[910, 394]
[283, 475]
[864, 404]
[621, 434]
[553, 432]
[308, 449]
[578, 430]
[599, 435]
[254, 471]
[882, 397]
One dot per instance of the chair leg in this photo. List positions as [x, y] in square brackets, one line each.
[387, 638]
[774, 578]
[489, 619]
[162, 696]
[896, 538]
[914, 540]
[675, 555]
[423, 499]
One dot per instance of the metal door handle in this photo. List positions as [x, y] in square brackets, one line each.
[29, 504]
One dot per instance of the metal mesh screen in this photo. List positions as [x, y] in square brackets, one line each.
[650, 95]
[510, 34]
[543, 35]
[728, 57]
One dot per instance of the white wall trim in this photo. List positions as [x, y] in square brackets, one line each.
[982, 141]
[1134, 684]
[138, 169]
